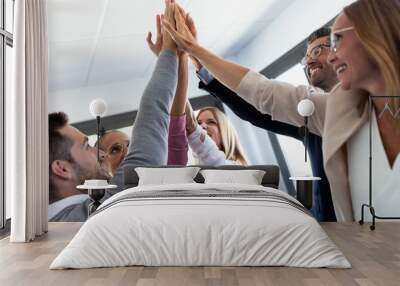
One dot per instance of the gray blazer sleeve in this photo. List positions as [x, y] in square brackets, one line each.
[149, 139]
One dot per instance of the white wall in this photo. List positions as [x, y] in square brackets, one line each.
[120, 97]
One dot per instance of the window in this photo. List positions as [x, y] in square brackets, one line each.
[6, 43]
[293, 149]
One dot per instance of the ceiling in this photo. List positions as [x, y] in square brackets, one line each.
[95, 42]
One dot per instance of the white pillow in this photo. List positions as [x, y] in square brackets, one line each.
[166, 176]
[248, 177]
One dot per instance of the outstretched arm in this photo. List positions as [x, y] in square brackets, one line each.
[248, 112]
[177, 140]
[179, 103]
[276, 98]
[149, 134]
[227, 72]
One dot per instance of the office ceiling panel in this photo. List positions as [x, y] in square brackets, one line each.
[120, 59]
[96, 42]
[126, 17]
[71, 20]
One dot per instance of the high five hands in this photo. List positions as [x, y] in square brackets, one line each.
[183, 32]
[164, 39]
[174, 27]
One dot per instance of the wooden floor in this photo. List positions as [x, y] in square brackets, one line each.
[375, 257]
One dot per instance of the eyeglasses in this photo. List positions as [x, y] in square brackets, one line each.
[314, 53]
[335, 38]
[116, 149]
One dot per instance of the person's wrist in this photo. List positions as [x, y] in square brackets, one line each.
[196, 63]
[190, 126]
[190, 130]
[168, 43]
[183, 56]
[195, 51]
[171, 47]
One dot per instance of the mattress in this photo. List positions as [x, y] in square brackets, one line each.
[201, 225]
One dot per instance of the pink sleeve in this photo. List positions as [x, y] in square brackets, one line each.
[177, 141]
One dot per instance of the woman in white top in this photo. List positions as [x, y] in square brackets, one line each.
[365, 55]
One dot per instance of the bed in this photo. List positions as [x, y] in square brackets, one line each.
[201, 224]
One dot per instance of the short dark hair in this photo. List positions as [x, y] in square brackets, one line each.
[321, 32]
[59, 145]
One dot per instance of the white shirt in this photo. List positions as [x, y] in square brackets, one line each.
[385, 180]
[205, 150]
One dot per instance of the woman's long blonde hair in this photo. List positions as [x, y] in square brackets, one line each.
[377, 24]
[230, 140]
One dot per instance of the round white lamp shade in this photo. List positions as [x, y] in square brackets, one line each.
[305, 108]
[98, 107]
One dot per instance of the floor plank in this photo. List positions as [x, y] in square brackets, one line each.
[374, 255]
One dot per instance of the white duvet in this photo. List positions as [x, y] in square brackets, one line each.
[202, 231]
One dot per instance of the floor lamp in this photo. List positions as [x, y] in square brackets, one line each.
[98, 108]
[370, 205]
[304, 184]
[96, 187]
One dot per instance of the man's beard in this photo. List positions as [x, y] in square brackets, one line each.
[325, 81]
[85, 174]
[318, 82]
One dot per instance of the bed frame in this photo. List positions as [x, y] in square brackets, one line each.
[270, 179]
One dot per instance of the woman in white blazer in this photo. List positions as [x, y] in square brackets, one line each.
[365, 55]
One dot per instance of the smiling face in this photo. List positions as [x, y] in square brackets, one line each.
[351, 62]
[209, 123]
[320, 73]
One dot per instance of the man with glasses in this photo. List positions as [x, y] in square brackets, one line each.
[319, 73]
[321, 78]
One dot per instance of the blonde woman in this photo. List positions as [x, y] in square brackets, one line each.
[365, 56]
[211, 137]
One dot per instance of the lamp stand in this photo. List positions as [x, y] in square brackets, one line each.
[370, 204]
[305, 138]
[95, 196]
[98, 137]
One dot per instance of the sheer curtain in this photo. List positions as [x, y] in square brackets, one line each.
[27, 123]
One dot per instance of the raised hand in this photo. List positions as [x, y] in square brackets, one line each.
[169, 16]
[180, 32]
[157, 46]
[192, 28]
[191, 122]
